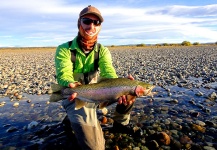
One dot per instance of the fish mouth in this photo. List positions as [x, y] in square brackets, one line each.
[142, 91]
[148, 91]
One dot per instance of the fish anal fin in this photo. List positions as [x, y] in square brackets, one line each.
[79, 104]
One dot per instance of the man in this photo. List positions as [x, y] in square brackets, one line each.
[76, 63]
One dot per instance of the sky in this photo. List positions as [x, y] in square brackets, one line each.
[42, 23]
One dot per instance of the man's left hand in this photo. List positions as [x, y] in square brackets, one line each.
[127, 99]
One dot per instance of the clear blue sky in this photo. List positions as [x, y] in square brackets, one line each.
[52, 22]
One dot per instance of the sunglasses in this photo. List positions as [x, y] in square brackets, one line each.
[88, 21]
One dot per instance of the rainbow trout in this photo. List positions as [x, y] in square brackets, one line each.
[107, 90]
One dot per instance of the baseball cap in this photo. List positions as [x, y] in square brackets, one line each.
[91, 10]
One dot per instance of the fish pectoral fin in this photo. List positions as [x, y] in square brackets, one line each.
[55, 97]
[103, 104]
[79, 104]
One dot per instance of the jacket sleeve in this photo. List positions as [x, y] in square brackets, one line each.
[105, 64]
[63, 66]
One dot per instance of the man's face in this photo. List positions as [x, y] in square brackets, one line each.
[91, 24]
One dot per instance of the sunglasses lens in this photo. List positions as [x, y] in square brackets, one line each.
[88, 21]
[97, 22]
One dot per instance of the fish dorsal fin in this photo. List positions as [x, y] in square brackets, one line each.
[79, 104]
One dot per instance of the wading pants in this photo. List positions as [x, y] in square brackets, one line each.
[86, 126]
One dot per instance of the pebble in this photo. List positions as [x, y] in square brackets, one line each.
[164, 138]
[209, 148]
[198, 128]
[104, 120]
[32, 124]
[200, 123]
[2, 103]
[16, 104]
[12, 129]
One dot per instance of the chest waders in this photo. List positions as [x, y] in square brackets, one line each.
[84, 122]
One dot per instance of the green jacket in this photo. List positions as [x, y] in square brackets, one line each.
[83, 64]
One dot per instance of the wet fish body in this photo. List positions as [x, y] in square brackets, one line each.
[107, 90]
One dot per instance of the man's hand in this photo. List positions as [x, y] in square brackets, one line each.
[127, 99]
[73, 85]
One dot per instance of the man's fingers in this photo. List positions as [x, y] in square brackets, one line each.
[72, 97]
[120, 100]
[124, 99]
[130, 77]
[75, 84]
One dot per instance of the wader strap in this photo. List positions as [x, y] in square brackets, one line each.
[96, 61]
[86, 80]
[73, 58]
[96, 57]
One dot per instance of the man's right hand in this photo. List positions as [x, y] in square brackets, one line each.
[73, 85]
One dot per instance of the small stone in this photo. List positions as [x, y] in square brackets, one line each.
[12, 129]
[208, 148]
[175, 101]
[19, 96]
[167, 121]
[152, 144]
[200, 123]
[199, 94]
[16, 104]
[164, 138]
[116, 147]
[185, 139]
[212, 96]
[16, 94]
[210, 123]
[164, 108]
[198, 128]
[32, 125]
[104, 120]
[2, 103]
[195, 114]
[104, 111]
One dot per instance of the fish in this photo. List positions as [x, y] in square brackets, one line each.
[103, 92]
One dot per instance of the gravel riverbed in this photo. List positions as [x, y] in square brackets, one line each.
[182, 114]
